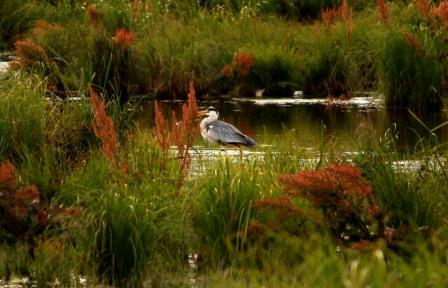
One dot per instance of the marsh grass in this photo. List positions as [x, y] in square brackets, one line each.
[412, 196]
[330, 58]
[127, 227]
[307, 59]
[142, 225]
[326, 266]
[22, 111]
[56, 261]
[412, 74]
[223, 208]
[17, 18]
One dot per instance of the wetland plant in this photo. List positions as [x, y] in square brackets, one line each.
[411, 73]
[223, 209]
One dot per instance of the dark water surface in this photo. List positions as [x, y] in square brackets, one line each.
[271, 122]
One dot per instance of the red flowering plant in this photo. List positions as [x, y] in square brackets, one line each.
[23, 214]
[342, 195]
[343, 12]
[336, 198]
[183, 131]
[123, 38]
[383, 12]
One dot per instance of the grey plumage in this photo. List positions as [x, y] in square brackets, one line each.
[219, 132]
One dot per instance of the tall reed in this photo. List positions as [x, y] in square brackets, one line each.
[224, 209]
[411, 73]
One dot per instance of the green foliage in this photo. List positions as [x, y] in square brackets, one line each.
[139, 222]
[328, 266]
[274, 71]
[329, 74]
[14, 260]
[223, 209]
[301, 9]
[418, 200]
[56, 261]
[22, 114]
[342, 62]
[135, 223]
[16, 18]
[411, 73]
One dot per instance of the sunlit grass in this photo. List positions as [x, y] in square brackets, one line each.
[130, 216]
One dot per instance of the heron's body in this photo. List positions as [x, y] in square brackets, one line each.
[219, 132]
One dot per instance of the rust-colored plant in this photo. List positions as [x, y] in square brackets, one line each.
[8, 179]
[317, 185]
[123, 38]
[136, 7]
[43, 26]
[227, 71]
[412, 40]
[244, 61]
[342, 12]
[383, 12]
[104, 129]
[342, 195]
[424, 8]
[23, 216]
[345, 10]
[28, 53]
[94, 15]
[442, 13]
[183, 131]
[330, 15]
[160, 130]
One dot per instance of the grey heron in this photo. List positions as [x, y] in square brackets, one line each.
[219, 132]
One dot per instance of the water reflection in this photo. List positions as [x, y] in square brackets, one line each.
[310, 124]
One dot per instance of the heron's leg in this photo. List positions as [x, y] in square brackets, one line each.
[223, 149]
[241, 152]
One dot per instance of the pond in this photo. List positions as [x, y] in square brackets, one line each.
[271, 121]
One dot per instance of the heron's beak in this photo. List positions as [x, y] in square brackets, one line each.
[202, 113]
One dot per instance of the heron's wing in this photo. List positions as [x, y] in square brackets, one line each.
[225, 133]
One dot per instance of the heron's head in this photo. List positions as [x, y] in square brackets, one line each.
[210, 112]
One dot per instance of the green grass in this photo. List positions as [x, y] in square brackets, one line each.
[142, 226]
[325, 267]
[135, 224]
[411, 74]
[204, 40]
[223, 208]
[174, 44]
[413, 194]
[130, 228]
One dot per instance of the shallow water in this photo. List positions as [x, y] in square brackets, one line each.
[310, 121]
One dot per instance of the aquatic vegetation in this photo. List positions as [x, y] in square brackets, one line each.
[223, 209]
[237, 54]
[182, 133]
[383, 12]
[442, 12]
[103, 127]
[26, 216]
[346, 200]
[412, 76]
[90, 197]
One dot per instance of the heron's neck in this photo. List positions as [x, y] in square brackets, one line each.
[209, 119]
